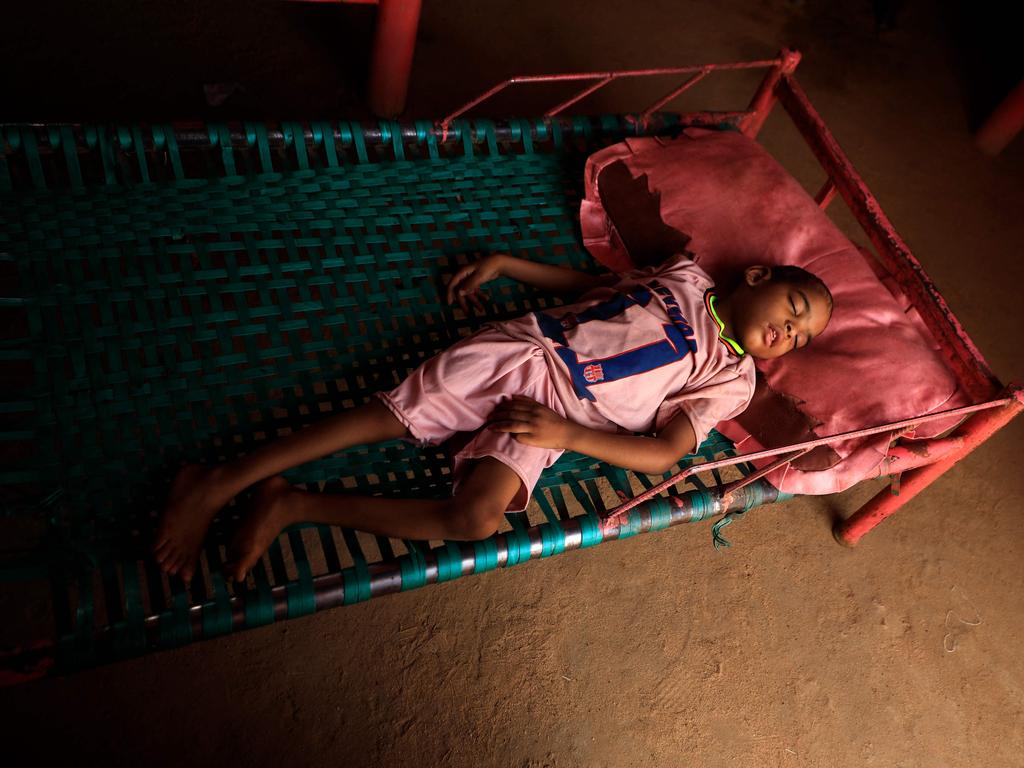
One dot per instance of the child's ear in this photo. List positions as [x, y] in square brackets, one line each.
[759, 273]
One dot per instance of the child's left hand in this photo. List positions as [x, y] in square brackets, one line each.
[531, 423]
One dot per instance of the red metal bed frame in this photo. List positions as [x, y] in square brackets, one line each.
[993, 403]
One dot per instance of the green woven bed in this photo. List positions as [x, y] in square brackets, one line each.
[183, 295]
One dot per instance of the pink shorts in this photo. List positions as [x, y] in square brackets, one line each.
[457, 390]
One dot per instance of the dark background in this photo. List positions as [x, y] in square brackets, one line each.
[120, 60]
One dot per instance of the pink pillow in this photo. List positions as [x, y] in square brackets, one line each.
[873, 364]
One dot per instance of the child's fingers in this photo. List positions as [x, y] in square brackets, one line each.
[512, 410]
[475, 298]
[457, 279]
[510, 425]
[511, 417]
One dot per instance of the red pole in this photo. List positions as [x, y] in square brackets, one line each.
[960, 353]
[1003, 124]
[763, 101]
[975, 432]
[394, 42]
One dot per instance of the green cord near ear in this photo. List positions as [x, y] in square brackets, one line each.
[709, 300]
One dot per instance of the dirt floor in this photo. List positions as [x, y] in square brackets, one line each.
[785, 650]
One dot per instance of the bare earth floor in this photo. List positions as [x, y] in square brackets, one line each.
[786, 650]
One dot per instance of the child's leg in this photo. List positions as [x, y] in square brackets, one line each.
[199, 492]
[474, 512]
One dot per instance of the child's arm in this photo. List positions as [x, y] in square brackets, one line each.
[548, 277]
[652, 455]
[536, 424]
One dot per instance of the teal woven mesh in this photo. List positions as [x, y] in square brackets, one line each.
[182, 304]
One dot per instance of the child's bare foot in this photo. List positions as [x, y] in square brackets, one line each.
[270, 512]
[195, 498]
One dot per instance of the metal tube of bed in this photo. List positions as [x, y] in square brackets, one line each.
[799, 449]
[973, 433]
[765, 97]
[387, 577]
[963, 357]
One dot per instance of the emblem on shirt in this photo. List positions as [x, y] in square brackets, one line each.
[593, 373]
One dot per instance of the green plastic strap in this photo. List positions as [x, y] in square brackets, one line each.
[464, 130]
[140, 153]
[354, 132]
[277, 567]
[392, 131]
[175, 625]
[486, 127]
[259, 603]
[256, 133]
[324, 132]
[546, 508]
[217, 614]
[485, 555]
[64, 137]
[581, 127]
[618, 480]
[525, 130]
[96, 135]
[301, 594]
[425, 132]
[220, 135]
[716, 530]
[331, 559]
[31, 150]
[131, 635]
[163, 137]
[449, 562]
[123, 138]
[540, 127]
[757, 499]
[413, 565]
[661, 514]
[11, 137]
[294, 133]
[356, 580]
[556, 132]
[517, 541]
[590, 526]
[552, 534]
[611, 125]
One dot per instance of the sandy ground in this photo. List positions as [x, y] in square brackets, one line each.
[786, 650]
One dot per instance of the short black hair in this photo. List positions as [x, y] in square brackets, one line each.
[801, 278]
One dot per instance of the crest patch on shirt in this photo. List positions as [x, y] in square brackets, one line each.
[593, 373]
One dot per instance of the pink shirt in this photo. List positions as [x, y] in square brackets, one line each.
[640, 352]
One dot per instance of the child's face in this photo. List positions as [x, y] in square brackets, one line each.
[773, 317]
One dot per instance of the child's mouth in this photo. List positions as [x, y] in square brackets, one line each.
[770, 335]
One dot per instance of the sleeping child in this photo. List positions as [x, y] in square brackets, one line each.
[658, 351]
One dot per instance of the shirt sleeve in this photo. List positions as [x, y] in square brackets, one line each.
[671, 264]
[724, 396]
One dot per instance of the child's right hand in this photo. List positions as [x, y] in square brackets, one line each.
[467, 281]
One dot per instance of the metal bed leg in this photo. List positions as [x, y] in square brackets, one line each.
[394, 42]
[976, 431]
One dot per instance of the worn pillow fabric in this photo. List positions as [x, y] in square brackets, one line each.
[733, 205]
